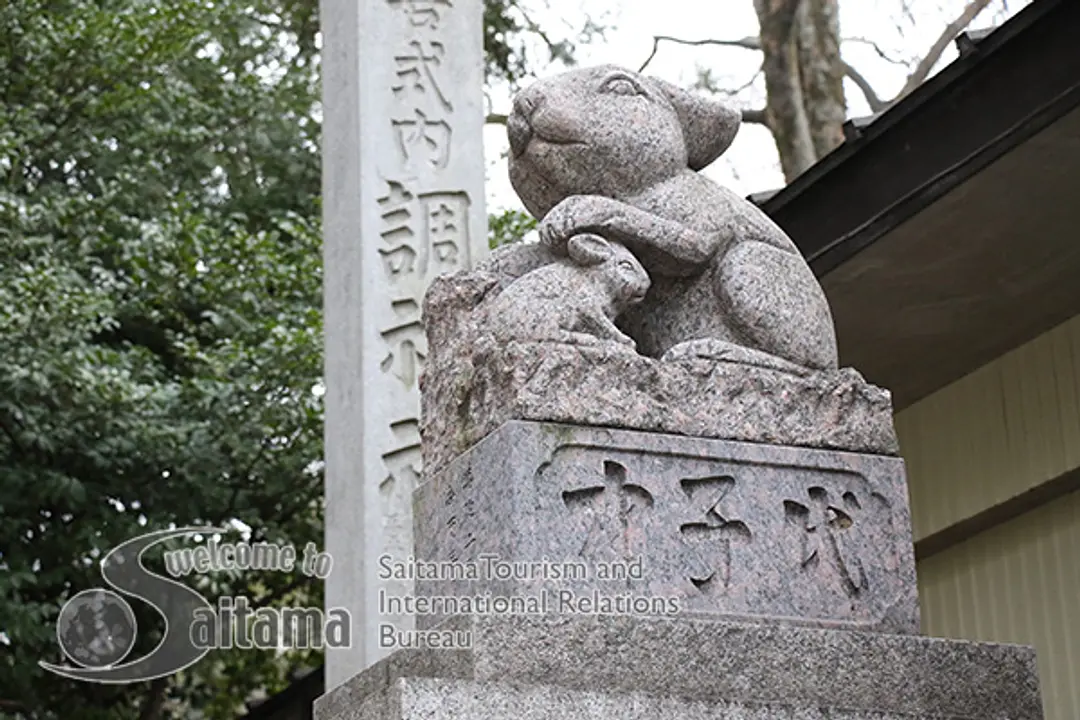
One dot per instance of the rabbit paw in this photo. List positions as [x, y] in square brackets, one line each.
[574, 215]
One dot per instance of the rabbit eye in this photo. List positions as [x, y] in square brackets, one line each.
[622, 86]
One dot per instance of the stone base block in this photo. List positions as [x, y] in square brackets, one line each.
[648, 669]
[568, 519]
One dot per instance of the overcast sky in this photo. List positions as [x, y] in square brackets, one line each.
[902, 29]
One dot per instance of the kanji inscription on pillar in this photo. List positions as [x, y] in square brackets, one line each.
[403, 203]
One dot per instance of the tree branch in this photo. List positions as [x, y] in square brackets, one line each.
[877, 49]
[953, 29]
[747, 43]
[555, 48]
[15, 445]
[782, 7]
[754, 116]
[495, 119]
[705, 82]
[872, 99]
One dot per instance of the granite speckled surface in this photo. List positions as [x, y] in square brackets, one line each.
[686, 508]
[572, 300]
[733, 339]
[607, 150]
[740, 530]
[475, 380]
[618, 666]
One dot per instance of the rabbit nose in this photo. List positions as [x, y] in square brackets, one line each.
[519, 133]
[518, 125]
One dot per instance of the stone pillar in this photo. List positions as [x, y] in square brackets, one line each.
[403, 184]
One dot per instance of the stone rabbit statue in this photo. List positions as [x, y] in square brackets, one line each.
[572, 300]
[608, 151]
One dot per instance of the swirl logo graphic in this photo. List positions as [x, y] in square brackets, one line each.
[96, 628]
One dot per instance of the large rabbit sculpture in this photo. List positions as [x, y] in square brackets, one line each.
[608, 151]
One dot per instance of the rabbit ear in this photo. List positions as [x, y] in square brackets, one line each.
[588, 249]
[709, 126]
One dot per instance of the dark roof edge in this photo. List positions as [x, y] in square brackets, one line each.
[846, 246]
[987, 45]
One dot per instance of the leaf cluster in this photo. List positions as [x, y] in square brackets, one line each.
[160, 324]
[160, 315]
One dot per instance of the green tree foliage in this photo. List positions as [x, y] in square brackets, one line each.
[509, 226]
[160, 324]
[159, 316]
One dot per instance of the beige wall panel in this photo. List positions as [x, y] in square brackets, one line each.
[1016, 583]
[1005, 428]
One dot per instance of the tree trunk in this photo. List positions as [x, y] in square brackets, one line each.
[785, 111]
[804, 79]
[818, 40]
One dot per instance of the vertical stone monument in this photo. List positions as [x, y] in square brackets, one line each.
[403, 202]
[650, 490]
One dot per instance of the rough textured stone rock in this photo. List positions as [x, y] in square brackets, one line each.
[609, 151]
[474, 382]
[734, 336]
[600, 667]
[672, 524]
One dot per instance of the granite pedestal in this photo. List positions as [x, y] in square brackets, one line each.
[771, 582]
[655, 524]
[585, 667]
